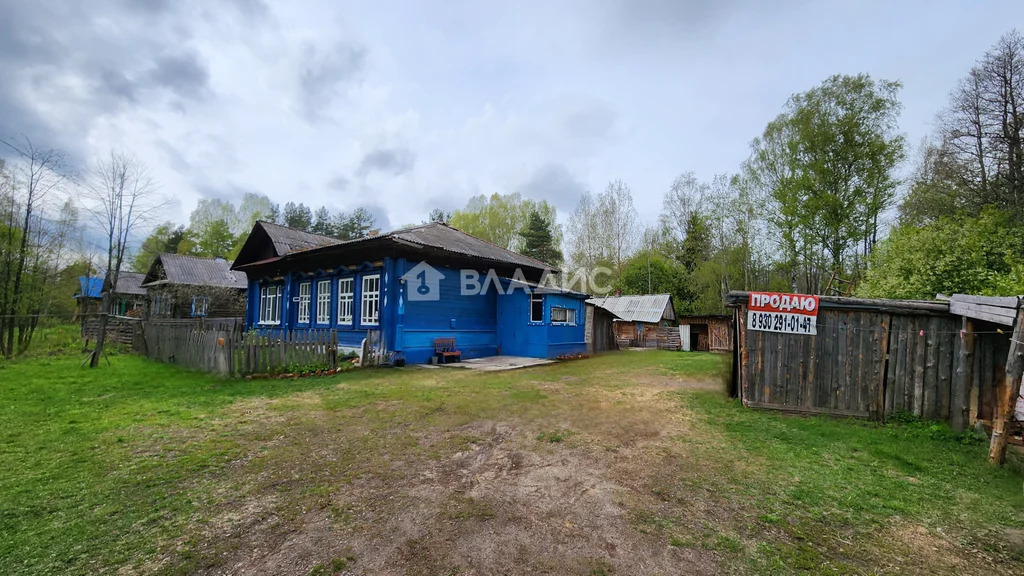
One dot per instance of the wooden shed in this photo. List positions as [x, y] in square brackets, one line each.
[707, 333]
[600, 333]
[939, 360]
[640, 318]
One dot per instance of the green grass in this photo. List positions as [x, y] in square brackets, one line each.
[119, 465]
[818, 479]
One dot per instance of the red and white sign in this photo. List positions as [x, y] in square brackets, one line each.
[789, 313]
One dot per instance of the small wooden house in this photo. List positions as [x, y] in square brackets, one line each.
[639, 317]
[129, 296]
[706, 333]
[180, 286]
[409, 291]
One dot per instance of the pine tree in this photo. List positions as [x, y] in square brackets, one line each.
[323, 223]
[538, 241]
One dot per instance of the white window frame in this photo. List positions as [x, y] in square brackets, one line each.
[369, 299]
[570, 316]
[270, 304]
[346, 299]
[534, 297]
[323, 302]
[302, 316]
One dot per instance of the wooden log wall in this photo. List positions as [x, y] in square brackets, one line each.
[122, 330]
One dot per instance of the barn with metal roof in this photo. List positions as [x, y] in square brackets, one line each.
[640, 316]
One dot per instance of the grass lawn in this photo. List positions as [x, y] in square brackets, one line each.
[629, 463]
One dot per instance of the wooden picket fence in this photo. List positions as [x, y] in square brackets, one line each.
[278, 352]
[234, 352]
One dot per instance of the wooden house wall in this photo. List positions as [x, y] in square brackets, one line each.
[600, 335]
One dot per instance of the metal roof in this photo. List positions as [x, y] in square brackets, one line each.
[288, 240]
[181, 269]
[89, 287]
[444, 237]
[650, 308]
[435, 236]
[130, 283]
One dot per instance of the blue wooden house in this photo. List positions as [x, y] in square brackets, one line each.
[409, 288]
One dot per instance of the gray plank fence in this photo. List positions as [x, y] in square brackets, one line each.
[872, 362]
[230, 351]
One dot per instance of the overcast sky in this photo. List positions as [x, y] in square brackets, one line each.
[405, 106]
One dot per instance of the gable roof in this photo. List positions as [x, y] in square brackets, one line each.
[195, 271]
[130, 283]
[650, 308]
[89, 287]
[289, 240]
[434, 236]
[267, 240]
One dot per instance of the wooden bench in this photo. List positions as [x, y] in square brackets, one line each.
[444, 348]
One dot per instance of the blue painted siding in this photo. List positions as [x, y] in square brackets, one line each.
[482, 324]
[518, 336]
[470, 319]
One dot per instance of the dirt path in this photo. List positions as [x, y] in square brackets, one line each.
[564, 489]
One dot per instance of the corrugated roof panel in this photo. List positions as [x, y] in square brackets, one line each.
[130, 283]
[444, 237]
[181, 269]
[650, 308]
[289, 240]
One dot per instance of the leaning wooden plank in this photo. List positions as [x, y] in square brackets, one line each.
[1008, 394]
[1002, 301]
[806, 410]
[1003, 316]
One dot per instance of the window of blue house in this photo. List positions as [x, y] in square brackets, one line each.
[270, 304]
[561, 315]
[536, 307]
[370, 297]
[323, 302]
[303, 311]
[200, 305]
[345, 298]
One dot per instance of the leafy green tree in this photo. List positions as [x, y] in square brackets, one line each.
[828, 163]
[651, 272]
[163, 238]
[538, 241]
[216, 240]
[950, 255]
[498, 218]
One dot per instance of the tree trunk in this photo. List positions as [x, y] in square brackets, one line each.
[1008, 393]
[101, 335]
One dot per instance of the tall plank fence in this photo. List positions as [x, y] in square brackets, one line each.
[230, 351]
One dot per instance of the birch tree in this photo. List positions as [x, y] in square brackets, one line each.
[121, 196]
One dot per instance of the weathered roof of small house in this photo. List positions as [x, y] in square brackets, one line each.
[89, 287]
[130, 283]
[650, 308]
[195, 271]
[434, 236]
[289, 240]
